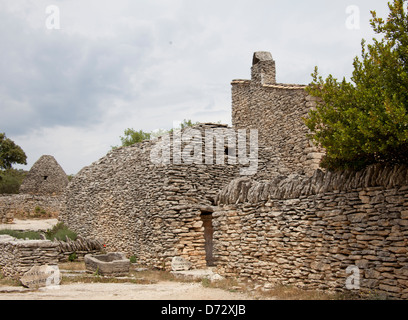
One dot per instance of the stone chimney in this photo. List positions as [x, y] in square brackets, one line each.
[263, 68]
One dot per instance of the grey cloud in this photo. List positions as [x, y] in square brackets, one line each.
[143, 64]
[64, 79]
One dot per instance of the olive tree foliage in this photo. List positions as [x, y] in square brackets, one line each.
[365, 121]
[10, 153]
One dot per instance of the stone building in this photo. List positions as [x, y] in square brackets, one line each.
[285, 223]
[154, 211]
[41, 191]
[46, 177]
[158, 211]
[276, 110]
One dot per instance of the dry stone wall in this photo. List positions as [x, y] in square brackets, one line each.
[27, 205]
[307, 232]
[152, 211]
[18, 256]
[41, 190]
[276, 110]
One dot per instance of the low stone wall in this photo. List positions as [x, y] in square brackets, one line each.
[317, 233]
[80, 247]
[18, 256]
[28, 205]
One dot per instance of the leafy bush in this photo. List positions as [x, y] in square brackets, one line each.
[132, 136]
[366, 122]
[32, 235]
[60, 232]
[72, 257]
[10, 153]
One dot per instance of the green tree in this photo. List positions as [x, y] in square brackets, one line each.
[11, 179]
[365, 121]
[10, 153]
[185, 124]
[132, 136]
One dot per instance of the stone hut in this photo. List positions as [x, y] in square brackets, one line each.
[46, 177]
[41, 192]
[158, 211]
[154, 211]
[286, 223]
[277, 111]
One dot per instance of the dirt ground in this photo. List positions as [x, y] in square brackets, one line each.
[161, 290]
[30, 224]
[148, 285]
[123, 291]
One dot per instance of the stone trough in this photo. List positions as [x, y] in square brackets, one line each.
[113, 263]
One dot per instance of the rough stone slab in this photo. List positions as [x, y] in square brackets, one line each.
[35, 244]
[41, 276]
[6, 238]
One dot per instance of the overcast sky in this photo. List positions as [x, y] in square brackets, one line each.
[111, 65]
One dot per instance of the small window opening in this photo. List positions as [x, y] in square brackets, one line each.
[45, 178]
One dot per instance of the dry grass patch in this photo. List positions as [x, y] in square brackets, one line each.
[278, 292]
[77, 274]
[294, 293]
[5, 281]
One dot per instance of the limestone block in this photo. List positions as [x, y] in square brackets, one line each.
[180, 264]
[41, 276]
[113, 263]
[404, 215]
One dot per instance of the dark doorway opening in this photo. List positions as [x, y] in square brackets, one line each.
[45, 178]
[207, 217]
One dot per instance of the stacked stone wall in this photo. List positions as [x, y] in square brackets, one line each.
[26, 205]
[18, 256]
[277, 111]
[311, 232]
[152, 211]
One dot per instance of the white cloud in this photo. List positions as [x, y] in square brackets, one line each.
[142, 64]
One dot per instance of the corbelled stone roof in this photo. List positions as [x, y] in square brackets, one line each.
[45, 177]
